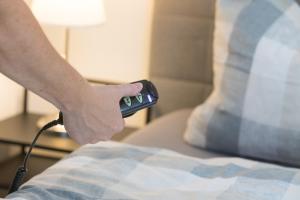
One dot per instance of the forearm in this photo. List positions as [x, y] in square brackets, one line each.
[27, 57]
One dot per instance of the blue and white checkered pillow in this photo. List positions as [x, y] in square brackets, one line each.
[254, 109]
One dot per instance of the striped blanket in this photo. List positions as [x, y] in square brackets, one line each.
[118, 171]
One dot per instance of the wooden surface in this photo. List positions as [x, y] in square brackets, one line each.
[21, 129]
[3, 193]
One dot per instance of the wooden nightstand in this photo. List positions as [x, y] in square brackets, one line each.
[20, 131]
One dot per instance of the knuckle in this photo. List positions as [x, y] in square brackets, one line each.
[120, 87]
[129, 88]
[94, 141]
[118, 128]
[134, 88]
[97, 139]
[117, 88]
[106, 138]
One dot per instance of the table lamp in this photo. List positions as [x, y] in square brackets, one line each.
[68, 14]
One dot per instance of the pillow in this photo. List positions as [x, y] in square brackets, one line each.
[254, 110]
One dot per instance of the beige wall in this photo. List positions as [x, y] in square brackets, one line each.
[114, 51]
[10, 104]
[11, 98]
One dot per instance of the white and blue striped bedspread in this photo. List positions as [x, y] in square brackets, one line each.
[118, 171]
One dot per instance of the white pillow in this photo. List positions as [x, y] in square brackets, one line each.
[254, 110]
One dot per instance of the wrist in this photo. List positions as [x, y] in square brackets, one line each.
[73, 98]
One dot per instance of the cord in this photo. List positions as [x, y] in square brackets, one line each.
[21, 171]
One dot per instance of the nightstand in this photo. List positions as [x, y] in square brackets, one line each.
[19, 131]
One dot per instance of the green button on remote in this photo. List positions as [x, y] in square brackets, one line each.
[127, 101]
[139, 97]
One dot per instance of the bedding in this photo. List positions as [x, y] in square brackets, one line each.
[254, 110]
[118, 171]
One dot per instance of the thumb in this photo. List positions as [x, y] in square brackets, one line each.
[130, 89]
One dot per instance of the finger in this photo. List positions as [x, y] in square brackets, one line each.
[129, 89]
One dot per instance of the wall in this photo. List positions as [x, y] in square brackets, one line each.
[116, 51]
[11, 104]
[11, 98]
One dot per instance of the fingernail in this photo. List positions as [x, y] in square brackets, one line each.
[139, 85]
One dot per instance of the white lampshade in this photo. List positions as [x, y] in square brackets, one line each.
[70, 13]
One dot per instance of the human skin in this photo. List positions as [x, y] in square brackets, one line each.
[91, 113]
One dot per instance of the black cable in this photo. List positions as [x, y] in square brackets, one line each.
[21, 172]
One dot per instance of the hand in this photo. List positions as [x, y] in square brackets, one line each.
[97, 117]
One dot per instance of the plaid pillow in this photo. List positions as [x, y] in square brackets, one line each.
[254, 110]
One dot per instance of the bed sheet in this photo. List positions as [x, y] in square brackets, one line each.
[112, 170]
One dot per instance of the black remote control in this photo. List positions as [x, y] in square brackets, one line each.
[147, 98]
[130, 105]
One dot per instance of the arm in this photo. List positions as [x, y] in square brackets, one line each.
[27, 57]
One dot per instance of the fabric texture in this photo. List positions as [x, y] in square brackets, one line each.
[254, 110]
[166, 132]
[118, 171]
[181, 43]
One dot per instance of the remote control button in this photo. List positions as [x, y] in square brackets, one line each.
[139, 97]
[127, 100]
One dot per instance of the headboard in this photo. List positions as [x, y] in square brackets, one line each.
[181, 53]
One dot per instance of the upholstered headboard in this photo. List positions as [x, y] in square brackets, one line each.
[181, 53]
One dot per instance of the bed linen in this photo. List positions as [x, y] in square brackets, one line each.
[119, 171]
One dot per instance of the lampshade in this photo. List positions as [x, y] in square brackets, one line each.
[70, 13]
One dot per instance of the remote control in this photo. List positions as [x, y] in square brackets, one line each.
[130, 105]
[145, 99]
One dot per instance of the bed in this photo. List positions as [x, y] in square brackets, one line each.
[155, 162]
[119, 171]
